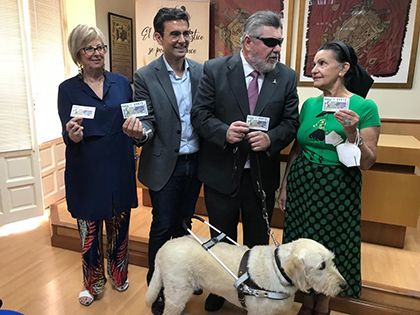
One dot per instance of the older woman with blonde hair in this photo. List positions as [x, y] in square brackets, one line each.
[100, 170]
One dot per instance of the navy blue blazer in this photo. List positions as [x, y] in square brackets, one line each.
[100, 169]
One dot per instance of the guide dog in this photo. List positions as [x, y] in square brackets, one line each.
[182, 265]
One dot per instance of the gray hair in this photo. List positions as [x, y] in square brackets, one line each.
[252, 26]
[81, 36]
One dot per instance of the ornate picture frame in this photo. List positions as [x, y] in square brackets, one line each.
[384, 34]
[227, 18]
[121, 45]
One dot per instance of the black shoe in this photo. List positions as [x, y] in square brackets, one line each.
[214, 303]
[198, 292]
[158, 305]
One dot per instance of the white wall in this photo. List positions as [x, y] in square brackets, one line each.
[76, 12]
[123, 7]
[79, 12]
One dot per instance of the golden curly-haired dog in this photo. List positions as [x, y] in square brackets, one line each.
[183, 265]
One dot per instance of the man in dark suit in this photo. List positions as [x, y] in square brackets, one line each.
[169, 158]
[232, 156]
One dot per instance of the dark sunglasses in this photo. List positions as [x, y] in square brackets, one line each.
[270, 41]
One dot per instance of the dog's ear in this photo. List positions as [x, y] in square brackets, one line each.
[312, 261]
[295, 269]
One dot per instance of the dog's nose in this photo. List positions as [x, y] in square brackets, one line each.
[344, 285]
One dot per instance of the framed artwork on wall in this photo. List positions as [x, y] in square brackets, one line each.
[384, 34]
[227, 18]
[121, 45]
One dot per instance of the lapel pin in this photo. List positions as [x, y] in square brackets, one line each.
[274, 81]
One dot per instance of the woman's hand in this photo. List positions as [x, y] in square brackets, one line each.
[75, 129]
[349, 119]
[294, 153]
[282, 198]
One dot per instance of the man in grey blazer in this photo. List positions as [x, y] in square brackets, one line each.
[231, 155]
[169, 158]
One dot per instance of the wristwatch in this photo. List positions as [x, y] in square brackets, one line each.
[360, 141]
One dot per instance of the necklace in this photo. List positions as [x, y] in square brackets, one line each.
[95, 82]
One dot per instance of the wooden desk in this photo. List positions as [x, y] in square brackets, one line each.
[390, 192]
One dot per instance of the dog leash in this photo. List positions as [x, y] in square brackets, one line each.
[263, 197]
[260, 189]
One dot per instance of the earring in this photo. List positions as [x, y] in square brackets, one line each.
[80, 70]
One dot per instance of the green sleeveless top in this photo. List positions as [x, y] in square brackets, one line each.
[315, 125]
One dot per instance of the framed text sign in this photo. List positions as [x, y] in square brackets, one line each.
[121, 45]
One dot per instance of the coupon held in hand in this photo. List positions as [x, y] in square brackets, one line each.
[258, 122]
[134, 109]
[87, 112]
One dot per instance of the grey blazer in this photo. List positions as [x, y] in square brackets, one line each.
[160, 151]
[222, 99]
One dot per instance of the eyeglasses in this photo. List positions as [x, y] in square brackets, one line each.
[91, 50]
[176, 35]
[270, 41]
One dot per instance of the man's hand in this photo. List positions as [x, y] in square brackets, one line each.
[258, 140]
[133, 127]
[236, 132]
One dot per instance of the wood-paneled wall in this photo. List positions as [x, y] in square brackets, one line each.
[401, 127]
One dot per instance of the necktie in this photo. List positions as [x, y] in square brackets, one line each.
[253, 91]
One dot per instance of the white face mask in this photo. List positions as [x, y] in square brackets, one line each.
[349, 153]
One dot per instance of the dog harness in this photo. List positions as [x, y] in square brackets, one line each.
[246, 286]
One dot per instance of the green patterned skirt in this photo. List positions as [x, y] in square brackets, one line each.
[323, 204]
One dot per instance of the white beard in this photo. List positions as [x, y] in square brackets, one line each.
[262, 65]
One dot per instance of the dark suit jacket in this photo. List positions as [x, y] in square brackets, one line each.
[100, 170]
[160, 152]
[222, 99]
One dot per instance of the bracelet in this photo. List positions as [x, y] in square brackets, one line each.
[357, 139]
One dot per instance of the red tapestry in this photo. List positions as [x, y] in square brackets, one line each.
[375, 29]
[226, 20]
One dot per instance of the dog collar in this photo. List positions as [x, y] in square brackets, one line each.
[278, 263]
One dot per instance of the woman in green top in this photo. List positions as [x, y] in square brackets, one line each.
[320, 195]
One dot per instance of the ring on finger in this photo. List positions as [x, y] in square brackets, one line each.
[347, 121]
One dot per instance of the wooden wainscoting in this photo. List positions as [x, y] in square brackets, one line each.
[52, 160]
[409, 127]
